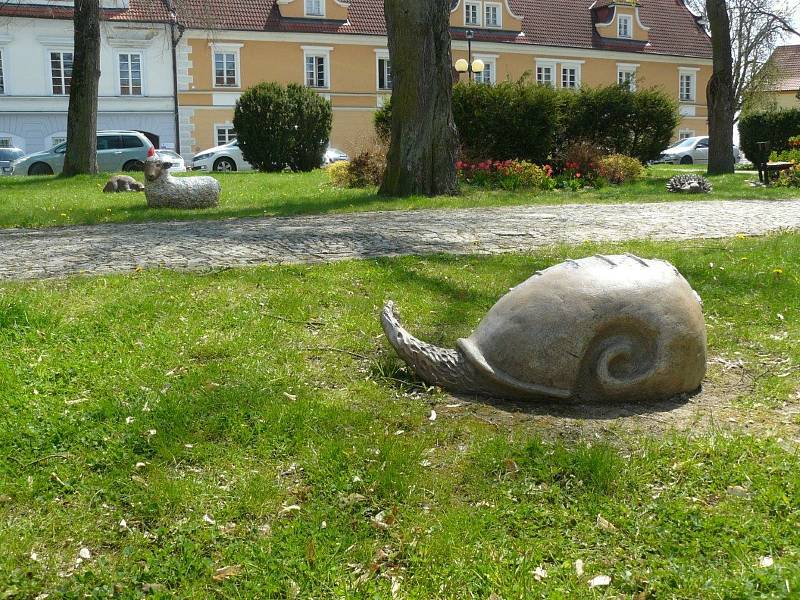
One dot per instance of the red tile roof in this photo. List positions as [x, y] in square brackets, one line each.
[787, 60]
[561, 23]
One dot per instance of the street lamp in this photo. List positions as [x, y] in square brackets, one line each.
[469, 66]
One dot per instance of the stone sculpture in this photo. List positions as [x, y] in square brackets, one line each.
[603, 328]
[162, 190]
[122, 183]
[689, 184]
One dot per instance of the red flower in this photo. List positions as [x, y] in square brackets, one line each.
[578, 175]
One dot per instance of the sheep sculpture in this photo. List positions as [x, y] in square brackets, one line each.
[162, 190]
[122, 183]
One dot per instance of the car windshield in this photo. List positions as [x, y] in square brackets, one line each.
[685, 143]
[169, 153]
[10, 153]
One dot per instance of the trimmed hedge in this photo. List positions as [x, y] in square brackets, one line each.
[526, 121]
[775, 127]
[282, 127]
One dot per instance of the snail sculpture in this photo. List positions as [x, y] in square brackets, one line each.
[603, 328]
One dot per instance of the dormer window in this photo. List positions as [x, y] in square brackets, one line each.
[472, 13]
[625, 26]
[314, 8]
[492, 15]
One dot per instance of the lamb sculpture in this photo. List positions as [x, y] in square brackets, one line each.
[604, 328]
[122, 183]
[162, 190]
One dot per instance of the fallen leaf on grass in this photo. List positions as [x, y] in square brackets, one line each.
[353, 499]
[85, 553]
[209, 520]
[579, 568]
[539, 573]
[599, 581]
[433, 415]
[226, 572]
[289, 510]
[148, 588]
[603, 524]
[766, 562]
[737, 490]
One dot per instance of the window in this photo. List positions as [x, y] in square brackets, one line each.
[472, 13]
[685, 133]
[544, 74]
[624, 26]
[384, 73]
[5, 142]
[131, 141]
[317, 66]
[570, 76]
[61, 72]
[489, 73]
[687, 85]
[314, 8]
[225, 69]
[492, 17]
[130, 74]
[225, 134]
[2, 80]
[626, 76]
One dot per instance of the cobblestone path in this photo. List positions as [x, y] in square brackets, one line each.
[56, 252]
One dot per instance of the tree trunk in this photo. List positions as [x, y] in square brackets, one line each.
[720, 93]
[81, 156]
[424, 141]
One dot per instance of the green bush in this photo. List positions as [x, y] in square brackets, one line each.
[775, 127]
[364, 170]
[525, 121]
[510, 120]
[619, 168]
[282, 127]
[638, 123]
[789, 178]
[506, 175]
[383, 123]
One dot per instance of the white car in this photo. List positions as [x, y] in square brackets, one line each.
[689, 151]
[178, 164]
[225, 158]
[333, 155]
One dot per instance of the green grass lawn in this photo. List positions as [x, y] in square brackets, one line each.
[176, 424]
[50, 201]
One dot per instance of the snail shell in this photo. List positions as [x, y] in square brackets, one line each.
[602, 328]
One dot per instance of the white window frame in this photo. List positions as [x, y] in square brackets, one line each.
[380, 55]
[54, 139]
[129, 53]
[234, 49]
[687, 72]
[499, 8]
[570, 65]
[228, 127]
[61, 52]
[310, 14]
[479, 8]
[627, 69]
[323, 52]
[491, 60]
[3, 75]
[685, 133]
[542, 64]
[628, 20]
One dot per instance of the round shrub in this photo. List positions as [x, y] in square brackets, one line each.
[775, 127]
[339, 174]
[619, 168]
[282, 127]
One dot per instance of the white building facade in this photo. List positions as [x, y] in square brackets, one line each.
[136, 89]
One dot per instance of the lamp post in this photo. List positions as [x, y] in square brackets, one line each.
[469, 66]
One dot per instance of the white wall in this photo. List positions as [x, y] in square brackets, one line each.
[29, 109]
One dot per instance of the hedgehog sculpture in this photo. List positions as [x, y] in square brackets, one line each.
[603, 328]
[689, 184]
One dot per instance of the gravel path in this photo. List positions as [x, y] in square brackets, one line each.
[96, 249]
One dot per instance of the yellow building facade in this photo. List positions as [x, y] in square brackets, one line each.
[352, 69]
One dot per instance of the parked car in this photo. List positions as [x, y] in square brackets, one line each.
[178, 164]
[333, 155]
[7, 157]
[688, 151]
[116, 151]
[225, 158]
